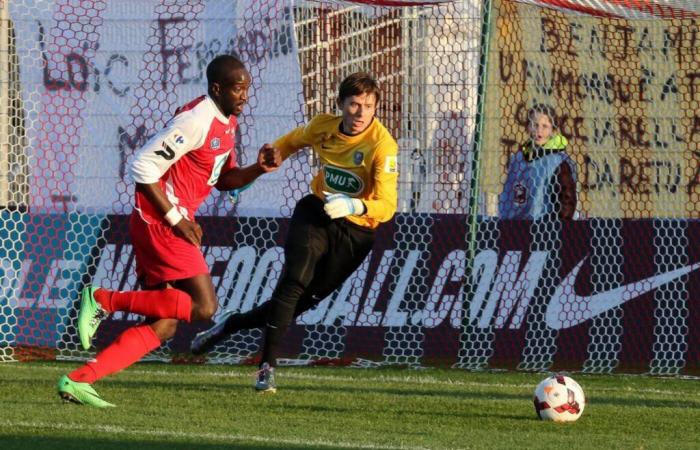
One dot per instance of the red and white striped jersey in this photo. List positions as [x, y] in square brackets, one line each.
[186, 158]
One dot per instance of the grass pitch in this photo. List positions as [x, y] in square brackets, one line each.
[163, 406]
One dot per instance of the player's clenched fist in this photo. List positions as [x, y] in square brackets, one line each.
[269, 158]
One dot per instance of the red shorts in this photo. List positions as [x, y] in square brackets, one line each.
[161, 255]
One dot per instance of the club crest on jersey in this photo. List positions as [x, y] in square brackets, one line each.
[215, 143]
[358, 157]
[341, 180]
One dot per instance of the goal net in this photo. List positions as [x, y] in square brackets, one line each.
[613, 286]
[456, 278]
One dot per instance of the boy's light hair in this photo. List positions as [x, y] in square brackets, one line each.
[541, 108]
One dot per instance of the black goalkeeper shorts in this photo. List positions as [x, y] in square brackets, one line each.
[321, 253]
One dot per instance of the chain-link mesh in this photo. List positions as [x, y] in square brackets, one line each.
[563, 239]
[91, 81]
[588, 164]
[428, 104]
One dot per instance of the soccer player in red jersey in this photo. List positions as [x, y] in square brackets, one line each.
[174, 172]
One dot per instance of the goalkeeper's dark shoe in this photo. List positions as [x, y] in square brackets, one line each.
[80, 393]
[204, 341]
[265, 379]
[89, 317]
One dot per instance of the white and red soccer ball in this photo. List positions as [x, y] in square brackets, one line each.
[559, 398]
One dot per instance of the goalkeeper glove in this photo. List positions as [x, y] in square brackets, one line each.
[340, 205]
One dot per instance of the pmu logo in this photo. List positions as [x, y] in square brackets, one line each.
[341, 180]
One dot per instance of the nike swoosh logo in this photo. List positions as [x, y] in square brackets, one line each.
[567, 309]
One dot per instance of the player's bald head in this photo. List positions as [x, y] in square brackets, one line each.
[224, 69]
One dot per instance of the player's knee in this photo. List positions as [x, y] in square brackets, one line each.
[301, 265]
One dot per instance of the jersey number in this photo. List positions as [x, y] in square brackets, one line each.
[167, 152]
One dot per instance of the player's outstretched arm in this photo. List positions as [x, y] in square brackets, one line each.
[269, 160]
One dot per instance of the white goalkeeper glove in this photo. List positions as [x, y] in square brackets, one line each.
[340, 205]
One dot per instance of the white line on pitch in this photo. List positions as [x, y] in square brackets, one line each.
[226, 437]
[291, 374]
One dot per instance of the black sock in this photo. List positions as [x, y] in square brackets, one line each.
[280, 315]
[255, 318]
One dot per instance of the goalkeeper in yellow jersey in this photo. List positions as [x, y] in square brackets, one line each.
[332, 229]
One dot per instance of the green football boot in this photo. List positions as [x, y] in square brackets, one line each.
[89, 317]
[80, 393]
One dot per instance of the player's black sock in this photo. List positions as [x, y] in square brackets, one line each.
[283, 304]
[255, 318]
[272, 337]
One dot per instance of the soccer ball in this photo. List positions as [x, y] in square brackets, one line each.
[559, 398]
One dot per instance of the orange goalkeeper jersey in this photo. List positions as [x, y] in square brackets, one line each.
[363, 166]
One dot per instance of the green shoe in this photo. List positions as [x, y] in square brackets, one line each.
[80, 393]
[89, 317]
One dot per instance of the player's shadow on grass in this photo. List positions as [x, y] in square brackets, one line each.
[430, 412]
[246, 386]
[412, 392]
[178, 386]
